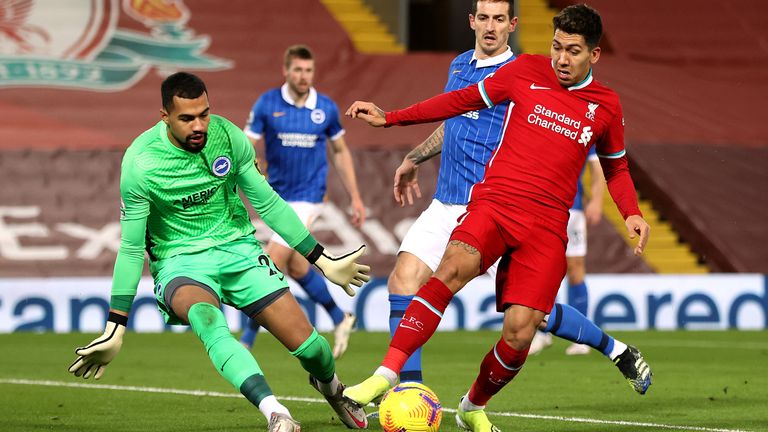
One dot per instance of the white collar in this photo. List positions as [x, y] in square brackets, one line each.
[585, 82]
[491, 61]
[311, 102]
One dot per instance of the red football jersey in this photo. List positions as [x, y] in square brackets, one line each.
[548, 130]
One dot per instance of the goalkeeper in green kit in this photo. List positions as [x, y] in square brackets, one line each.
[179, 187]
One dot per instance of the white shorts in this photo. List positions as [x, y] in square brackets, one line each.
[428, 236]
[577, 234]
[307, 213]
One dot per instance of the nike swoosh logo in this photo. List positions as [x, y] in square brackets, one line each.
[362, 424]
[535, 87]
[225, 362]
[278, 114]
[455, 71]
[409, 327]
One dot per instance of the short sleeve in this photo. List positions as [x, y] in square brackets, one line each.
[611, 146]
[254, 127]
[334, 130]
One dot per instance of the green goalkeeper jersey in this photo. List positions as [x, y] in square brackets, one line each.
[177, 202]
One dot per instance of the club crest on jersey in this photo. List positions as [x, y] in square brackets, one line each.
[317, 116]
[591, 107]
[221, 166]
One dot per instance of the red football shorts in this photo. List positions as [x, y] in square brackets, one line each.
[532, 252]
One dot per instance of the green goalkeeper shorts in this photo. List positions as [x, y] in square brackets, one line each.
[238, 273]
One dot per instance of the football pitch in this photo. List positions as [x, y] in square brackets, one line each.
[703, 381]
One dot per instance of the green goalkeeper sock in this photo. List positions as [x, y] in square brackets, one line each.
[316, 357]
[231, 359]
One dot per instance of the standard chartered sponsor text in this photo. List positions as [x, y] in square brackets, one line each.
[297, 139]
[557, 122]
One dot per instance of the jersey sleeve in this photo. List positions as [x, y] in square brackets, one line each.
[440, 107]
[254, 127]
[335, 130]
[134, 210]
[613, 159]
[275, 212]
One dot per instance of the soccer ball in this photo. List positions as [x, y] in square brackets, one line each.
[410, 407]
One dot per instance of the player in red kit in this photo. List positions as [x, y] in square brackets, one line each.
[519, 211]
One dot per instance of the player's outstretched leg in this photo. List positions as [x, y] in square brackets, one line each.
[635, 369]
[568, 323]
[418, 324]
[249, 333]
[232, 360]
[316, 358]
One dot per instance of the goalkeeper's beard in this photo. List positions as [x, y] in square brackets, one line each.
[193, 143]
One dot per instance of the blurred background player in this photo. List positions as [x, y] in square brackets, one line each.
[178, 180]
[465, 143]
[519, 211]
[292, 124]
[576, 251]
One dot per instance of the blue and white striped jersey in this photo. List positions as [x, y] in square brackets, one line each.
[578, 202]
[471, 137]
[295, 141]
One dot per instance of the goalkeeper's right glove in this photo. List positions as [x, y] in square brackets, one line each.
[343, 270]
[93, 358]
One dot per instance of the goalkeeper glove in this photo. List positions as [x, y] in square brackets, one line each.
[343, 270]
[92, 359]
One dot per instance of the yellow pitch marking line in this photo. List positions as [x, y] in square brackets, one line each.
[317, 400]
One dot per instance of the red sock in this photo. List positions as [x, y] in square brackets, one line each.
[419, 323]
[499, 366]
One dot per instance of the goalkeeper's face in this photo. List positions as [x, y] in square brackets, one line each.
[188, 122]
[299, 75]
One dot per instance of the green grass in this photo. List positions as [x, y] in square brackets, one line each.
[712, 380]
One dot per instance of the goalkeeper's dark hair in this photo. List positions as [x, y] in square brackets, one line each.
[182, 84]
[582, 20]
[297, 51]
[510, 2]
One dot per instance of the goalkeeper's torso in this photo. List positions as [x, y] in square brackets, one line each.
[193, 199]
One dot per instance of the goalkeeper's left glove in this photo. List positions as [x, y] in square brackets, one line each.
[93, 358]
[343, 270]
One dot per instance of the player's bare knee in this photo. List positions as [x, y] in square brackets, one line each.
[518, 338]
[400, 283]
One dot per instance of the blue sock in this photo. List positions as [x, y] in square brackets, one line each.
[568, 323]
[250, 332]
[317, 290]
[578, 297]
[411, 371]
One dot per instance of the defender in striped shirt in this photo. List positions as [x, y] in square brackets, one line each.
[298, 127]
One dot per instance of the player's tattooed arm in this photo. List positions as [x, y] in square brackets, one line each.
[466, 247]
[431, 147]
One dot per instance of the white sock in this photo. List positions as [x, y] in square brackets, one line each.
[465, 405]
[270, 404]
[387, 373]
[618, 348]
[330, 388]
